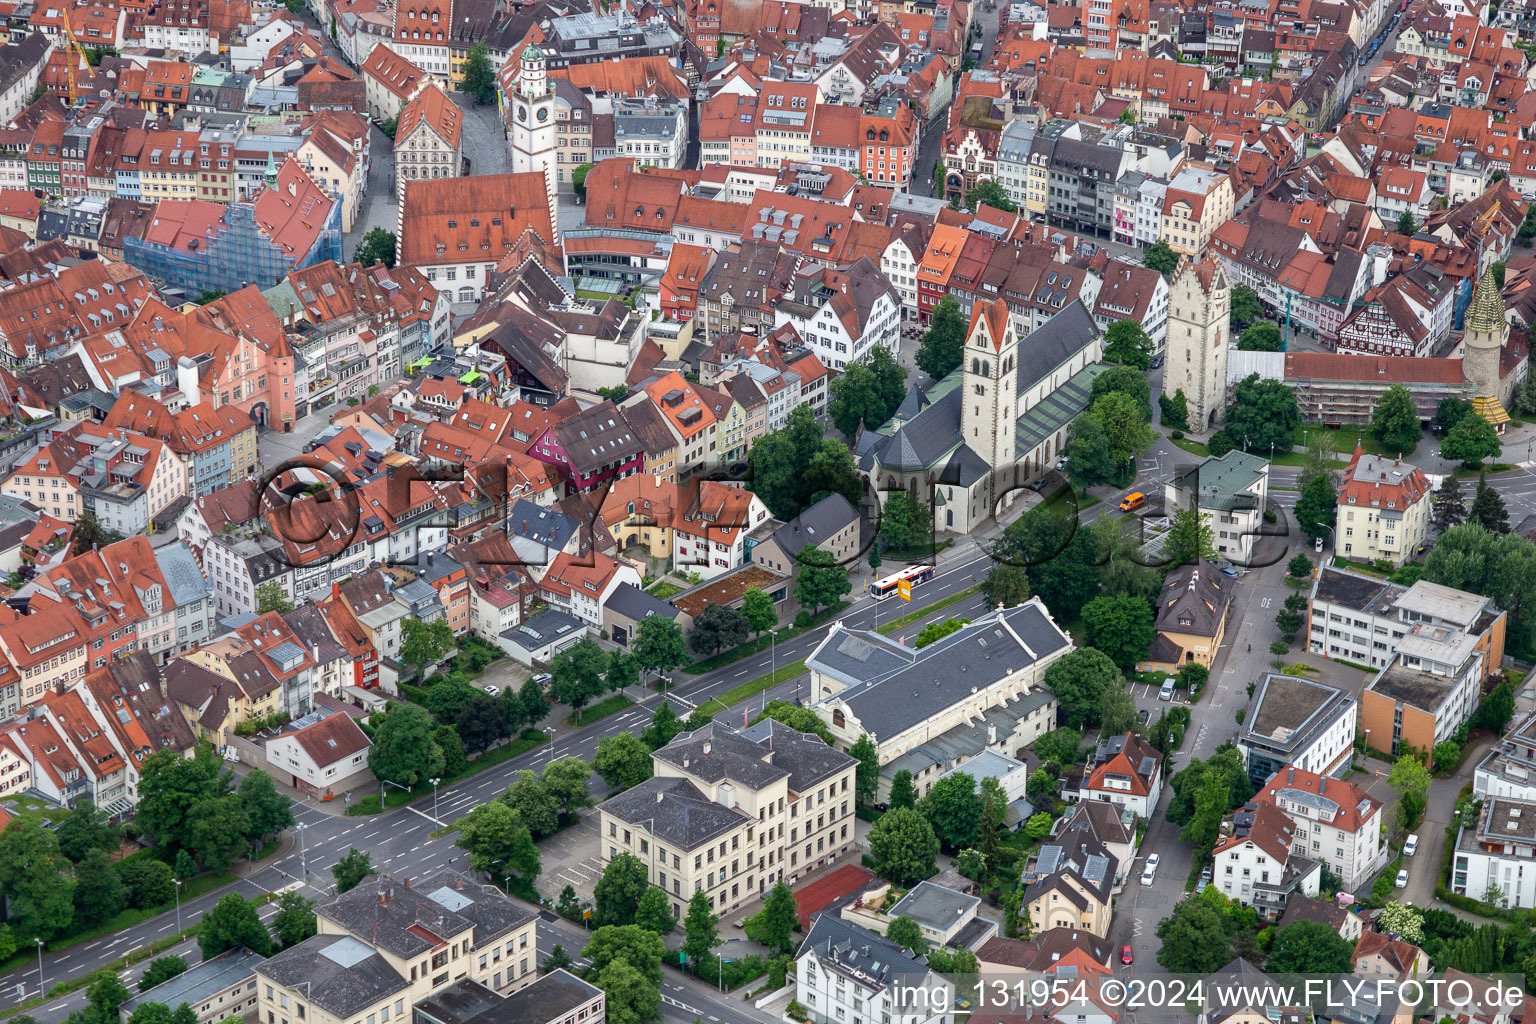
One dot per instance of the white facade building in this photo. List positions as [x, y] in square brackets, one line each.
[847, 974]
[1498, 854]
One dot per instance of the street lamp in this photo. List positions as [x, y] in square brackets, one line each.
[39, 965]
[177, 882]
[434, 801]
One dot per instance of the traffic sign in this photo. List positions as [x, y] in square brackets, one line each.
[904, 589]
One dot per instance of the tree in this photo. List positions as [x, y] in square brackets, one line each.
[1120, 626]
[903, 793]
[1005, 585]
[758, 607]
[105, 994]
[797, 718]
[403, 750]
[624, 668]
[270, 598]
[1315, 508]
[161, 969]
[1079, 682]
[1227, 765]
[1126, 343]
[233, 923]
[1117, 712]
[268, 811]
[905, 846]
[1160, 257]
[1410, 779]
[617, 894]
[535, 806]
[1496, 709]
[819, 583]
[953, 808]
[89, 534]
[622, 760]
[936, 631]
[1299, 567]
[989, 193]
[1289, 618]
[1395, 423]
[351, 869]
[1309, 947]
[1058, 557]
[943, 345]
[1488, 509]
[39, 895]
[576, 673]
[717, 627]
[1189, 537]
[1525, 398]
[1194, 939]
[1089, 459]
[377, 246]
[1126, 430]
[867, 772]
[700, 934]
[1211, 801]
[579, 179]
[1262, 413]
[1261, 337]
[295, 919]
[1059, 745]
[774, 925]
[218, 831]
[1125, 380]
[971, 864]
[99, 890]
[659, 645]
[868, 392]
[482, 722]
[1175, 410]
[532, 703]
[907, 934]
[85, 830]
[642, 949]
[1246, 308]
[558, 960]
[424, 643]
[797, 466]
[664, 726]
[1450, 412]
[1405, 223]
[654, 912]
[905, 522]
[1447, 506]
[1403, 920]
[628, 996]
[149, 882]
[479, 75]
[448, 697]
[1470, 441]
[565, 781]
[497, 841]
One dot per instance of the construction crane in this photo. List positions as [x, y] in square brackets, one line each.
[69, 65]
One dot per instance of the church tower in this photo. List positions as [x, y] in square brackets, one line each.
[989, 410]
[531, 131]
[1199, 302]
[1482, 347]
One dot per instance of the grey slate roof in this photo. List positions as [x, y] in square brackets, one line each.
[550, 998]
[816, 524]
[892, 688]
[546, 526]
[717, 753]
[675, 811]
[394, 916]
[845, 946]
[633, 603]
[1194, 600]
[808, 759]
[534, 633]
[338, 973]
[183, 578]
[1058, 340]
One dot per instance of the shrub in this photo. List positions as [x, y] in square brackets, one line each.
[803, 620]
[1177, 435]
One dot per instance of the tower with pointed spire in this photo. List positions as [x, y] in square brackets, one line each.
[1482, 349]
[1199, 304]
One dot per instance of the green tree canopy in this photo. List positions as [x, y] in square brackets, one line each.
[351, 869]
[943, 346]
[479, 75]
[1472, 440]
[905, 522]
[617, 894]
[1246, 308]
[1395, 423]
[1080, 681]
[498, 842]
[85, 830]
[953, 809]
[1126, 342]
[1189, 538]
[1261, 415]
[1260, 337]
[797, 466]
[904, 845]
[377, 246]
[1121, 626]
[1315, 508]
[1160, 257]
[659, 644]
[622, 760]
[1309, 947]
[819, 582]
[1125, 380]
[403, 750]
[774, 925]
[233, 922]
[989, 193]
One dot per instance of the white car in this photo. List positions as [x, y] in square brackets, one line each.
[1411, 844]
[1402, 879]
[1149, 872]
[492, 690]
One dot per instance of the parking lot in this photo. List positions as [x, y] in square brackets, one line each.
[570, 858]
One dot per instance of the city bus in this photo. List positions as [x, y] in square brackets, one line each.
[915, 574]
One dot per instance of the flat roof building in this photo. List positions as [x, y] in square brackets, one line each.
[1299, 722]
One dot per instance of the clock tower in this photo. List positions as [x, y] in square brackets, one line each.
[531, 118]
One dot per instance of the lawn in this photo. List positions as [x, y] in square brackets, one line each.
[1291, 458]
[922, 613]
[530, 739]
[663, 589]
[760, 643]
[751, 688]
[602, 709]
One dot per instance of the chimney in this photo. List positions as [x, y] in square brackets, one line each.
[383, 898]
[660, 796]
[1290, 775]
[1322, 784]
[335, 591]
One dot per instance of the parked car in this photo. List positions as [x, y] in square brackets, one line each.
[1402, 879]
[1411, 844]
[1142, 716]
[1205, 879]
[493, 690]
[1157, 360]
[543, 679]
[1166, 693]
[1149, 872]
[1127, 956]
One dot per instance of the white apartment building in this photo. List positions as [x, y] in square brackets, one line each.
[1233, 491]
[1509, 769]
[1336, 822]
[731, 813]
[1259, 862]
[843, 314]
[1299, 722]
[1498, 853]
[847, 974]
[1383, 509]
